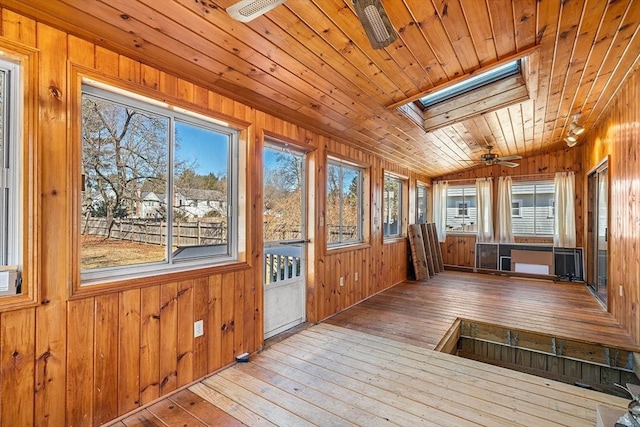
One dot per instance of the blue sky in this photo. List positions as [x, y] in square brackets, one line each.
[208, 149]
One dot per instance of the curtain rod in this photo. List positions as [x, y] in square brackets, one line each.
[543, 175]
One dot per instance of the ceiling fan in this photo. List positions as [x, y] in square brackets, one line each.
[370, 13]
[490, 158]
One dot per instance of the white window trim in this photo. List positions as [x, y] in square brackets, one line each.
[471, 188]
[519, 207]
[113, 94]
[426, 202]
[401, 182]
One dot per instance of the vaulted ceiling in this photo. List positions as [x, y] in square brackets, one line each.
[310, 62]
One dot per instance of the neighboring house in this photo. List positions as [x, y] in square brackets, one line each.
[191, 203]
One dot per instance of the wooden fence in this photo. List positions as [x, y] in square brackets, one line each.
[155, 233]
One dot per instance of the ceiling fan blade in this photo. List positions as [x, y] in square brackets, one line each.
[507, 164]
[509, 158]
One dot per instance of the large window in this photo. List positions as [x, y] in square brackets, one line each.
[158, 187]
[392, 206]
[534, 214]
[462, 209]
[10, 152]
[421, 204]
[344, 213]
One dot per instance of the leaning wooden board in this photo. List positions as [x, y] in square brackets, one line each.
[428, 250]
[417, 252]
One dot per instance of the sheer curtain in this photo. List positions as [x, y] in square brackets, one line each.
[484, 191]
[564, 230]
[440, 209]
[504, 233]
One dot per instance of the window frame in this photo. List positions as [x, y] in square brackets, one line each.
[24, 122]
[342, 164]
[425, 206]
[519, 208]
[535, 184]
[401, 208]
[468, 208]
[11, 163]
[177, 114]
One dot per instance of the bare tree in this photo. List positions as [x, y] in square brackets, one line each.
[122, 149]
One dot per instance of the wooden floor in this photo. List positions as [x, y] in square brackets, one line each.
[374, 365]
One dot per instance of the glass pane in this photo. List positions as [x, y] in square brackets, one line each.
[334, 201]
[392, 200]
[200, 191]
[4, 163]
[124, 185]
[283, 180]
[462, 211]
[350, 205]
[535, 214]
[602, 246]
[421, 204]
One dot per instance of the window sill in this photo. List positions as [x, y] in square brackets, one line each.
[395, 239]
[118, 285]
[347, 248]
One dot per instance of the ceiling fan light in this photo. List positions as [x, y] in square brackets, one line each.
[375, 22]
[247, 10]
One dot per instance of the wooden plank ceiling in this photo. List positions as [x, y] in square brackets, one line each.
[311, 63]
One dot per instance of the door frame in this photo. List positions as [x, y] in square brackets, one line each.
[277, 144]
[592, 236]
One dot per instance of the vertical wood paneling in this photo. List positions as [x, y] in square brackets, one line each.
[227, 349]
[80, 376]
[51, 335]
[200, 310]
[214, 332]
[168, 337]
[150, 344]
[185, 308]
[17, 367]
[618, 137]
[129, 351]
[105, 369]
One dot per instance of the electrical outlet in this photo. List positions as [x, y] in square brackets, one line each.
[621, 291]
[198, 328]
[355, 277]
[341, 281]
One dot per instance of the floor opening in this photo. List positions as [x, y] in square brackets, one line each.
[583, 364]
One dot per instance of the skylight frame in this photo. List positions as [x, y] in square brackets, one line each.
[473, 83]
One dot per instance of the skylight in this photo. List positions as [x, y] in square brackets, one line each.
[475, 82]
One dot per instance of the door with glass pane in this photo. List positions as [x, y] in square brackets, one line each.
[284, 239]
[598, 240]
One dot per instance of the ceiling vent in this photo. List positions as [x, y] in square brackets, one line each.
[247, 10]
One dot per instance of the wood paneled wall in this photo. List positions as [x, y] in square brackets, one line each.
[84, 358]
[617, 135]
[459, 249]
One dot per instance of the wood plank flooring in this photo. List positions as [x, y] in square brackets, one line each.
[373, 365]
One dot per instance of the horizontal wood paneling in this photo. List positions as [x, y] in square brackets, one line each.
[459, 250]
[618, 137]
[84, 360]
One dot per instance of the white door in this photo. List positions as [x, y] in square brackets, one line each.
[284, 239]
